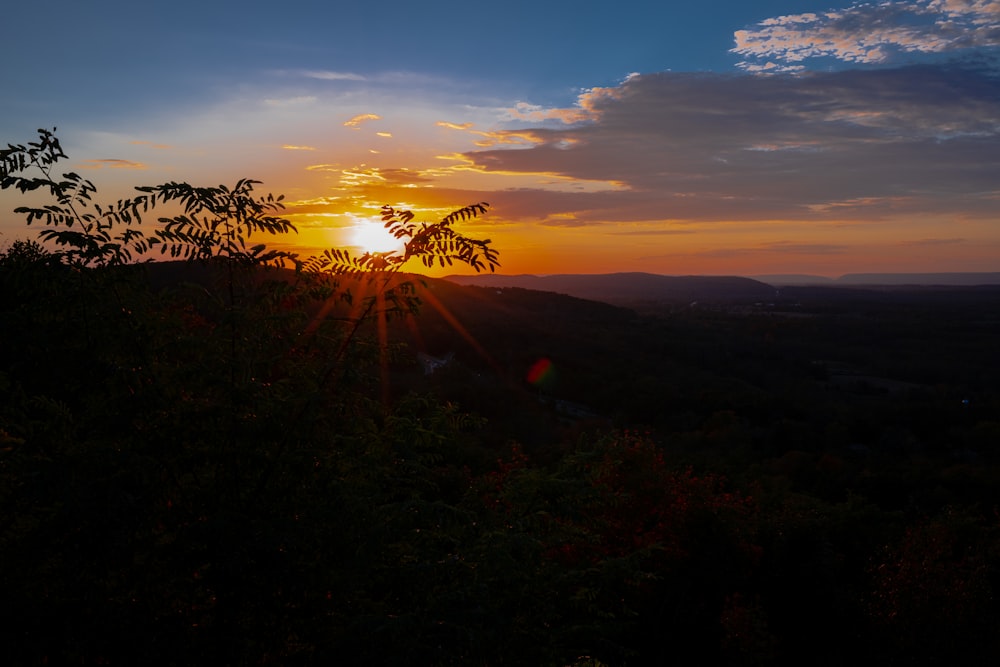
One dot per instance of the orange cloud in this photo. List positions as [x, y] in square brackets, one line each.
[356, 122]
[111, 163]
[936, 242]
[289, 147]
[360, 176]
[493, 138]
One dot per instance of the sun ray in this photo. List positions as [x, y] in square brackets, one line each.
[427, 295]
[383, 347]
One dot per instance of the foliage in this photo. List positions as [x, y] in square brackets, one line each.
[184, 426]
[214, 222]
[216, 226]
[934, 591]
[85, 232]
[429, 242]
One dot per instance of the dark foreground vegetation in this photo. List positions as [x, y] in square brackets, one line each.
[214, 462]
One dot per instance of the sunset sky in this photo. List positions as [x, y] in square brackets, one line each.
[715, 137]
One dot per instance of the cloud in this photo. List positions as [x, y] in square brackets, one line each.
[937, 242]
[111, 163]
[363, 175]
[493, 138]
[771, 250]
[289, 147]
[654, 232]
[805, 248]
[299, 100]
[315, 201]
[869, 33]
[847, 145]
[586, 109]
[316, 206]
[325, 75]
[356, 122]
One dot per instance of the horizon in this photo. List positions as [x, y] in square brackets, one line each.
[927, 279]
[790, 137]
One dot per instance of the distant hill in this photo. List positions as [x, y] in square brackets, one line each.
[631, 288]
[785, 279]
[877, 279]
[967, 279]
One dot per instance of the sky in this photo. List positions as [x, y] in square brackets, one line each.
[721, 137]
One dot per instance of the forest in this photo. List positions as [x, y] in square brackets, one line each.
[231, 456]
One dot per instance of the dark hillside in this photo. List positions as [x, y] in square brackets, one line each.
[807, 357]
[197, 471]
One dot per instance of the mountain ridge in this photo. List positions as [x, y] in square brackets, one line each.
[628, 287]
[955, 278]
[638, 287]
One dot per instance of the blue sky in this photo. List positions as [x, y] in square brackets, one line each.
[128, 57]
[711, 137]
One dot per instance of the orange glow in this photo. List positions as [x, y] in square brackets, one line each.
[546, 222]
[371, 236]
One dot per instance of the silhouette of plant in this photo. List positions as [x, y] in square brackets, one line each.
[218, 226]
[216, 222]
[173, 453]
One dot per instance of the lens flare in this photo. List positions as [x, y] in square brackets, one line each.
[541, 372]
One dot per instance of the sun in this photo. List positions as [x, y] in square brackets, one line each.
[371, 236]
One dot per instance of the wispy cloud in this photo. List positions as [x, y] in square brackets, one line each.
[937, 242]
[111, 163]
[315, 206]
[327, 75]
[654, 232]
[355, 177]
[289, 147]
[776, 248]
[357, 121]
[314, 201]
[805, 248]
[493, 138]
[298, 100]
[869, 33]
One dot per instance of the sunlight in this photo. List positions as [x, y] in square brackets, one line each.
[371, 236]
